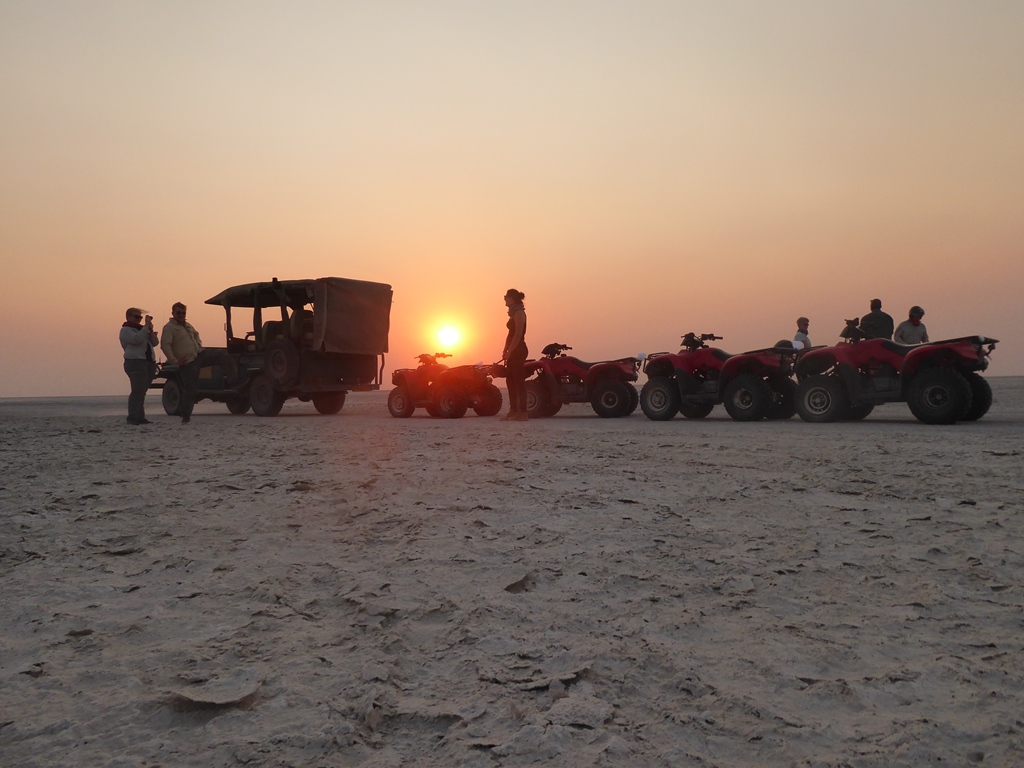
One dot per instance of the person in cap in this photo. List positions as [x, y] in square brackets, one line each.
[877, 324]
[514, 356]
[912, 330]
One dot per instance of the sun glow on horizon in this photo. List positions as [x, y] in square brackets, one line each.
[448, 336]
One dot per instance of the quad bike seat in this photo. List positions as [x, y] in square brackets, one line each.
[581, 364]
[720, 354]
[899, 349]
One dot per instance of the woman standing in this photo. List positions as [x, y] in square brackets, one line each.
[515, 356]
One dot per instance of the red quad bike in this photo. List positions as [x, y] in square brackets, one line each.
[939, 380]
[558, 378]
[752, 385]
[444, 392]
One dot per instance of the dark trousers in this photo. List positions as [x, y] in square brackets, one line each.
[190, 375]
[140, 374]
[515, 378]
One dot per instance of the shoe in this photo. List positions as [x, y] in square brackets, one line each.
[510, 416]
[521, 416]
[186, 419]
[137, 422]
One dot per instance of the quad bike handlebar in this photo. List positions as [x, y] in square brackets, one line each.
[554, 350]
[692, 341]
[428, 359]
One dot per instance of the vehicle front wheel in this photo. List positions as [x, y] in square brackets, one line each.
[821, 399]
[538, 401]
[783, 400]
[858, 412]
[490, 401]
[939, 396]
[981, 396]
[400, 405]
[659, 398]
[695, 410]
[238, 405]
[171, 397]
[611, 399]
[281, 362]
[451, 402]
[266, 401]
[329, 403]
[748, 397]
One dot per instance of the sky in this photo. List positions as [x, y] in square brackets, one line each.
[638, 169]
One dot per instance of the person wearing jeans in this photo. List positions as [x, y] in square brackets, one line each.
[180, 342]
[137, 340]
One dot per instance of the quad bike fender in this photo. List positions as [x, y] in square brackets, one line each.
[962, 356]
[761, 364]
[661, 365]
[615, 371]
[815, 363]
[550, 384]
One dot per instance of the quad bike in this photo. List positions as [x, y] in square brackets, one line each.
[558, 379]
[444, 392]
[752, 385]
[938, 380]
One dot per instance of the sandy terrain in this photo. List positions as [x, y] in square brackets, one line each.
[364, 591]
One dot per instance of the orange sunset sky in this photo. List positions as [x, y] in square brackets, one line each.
[638, 169]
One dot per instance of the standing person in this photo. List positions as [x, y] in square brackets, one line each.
[180, 342]
[137, 341]
[801, 336]
[514, 356]
[876, 324]
[912, 330]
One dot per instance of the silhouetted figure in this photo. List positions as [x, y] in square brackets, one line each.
[182, 345]
[912, 330]
[877, 324]
[514, 356]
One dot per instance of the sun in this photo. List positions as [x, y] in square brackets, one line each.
[448, 336]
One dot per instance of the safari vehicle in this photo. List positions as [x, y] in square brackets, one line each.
[309, 339]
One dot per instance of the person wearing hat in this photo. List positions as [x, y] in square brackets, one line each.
[912, 330]
[514, 356]
[877, 324]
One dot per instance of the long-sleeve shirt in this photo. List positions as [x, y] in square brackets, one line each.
[180, 341]
[908, 333]
[137, 343]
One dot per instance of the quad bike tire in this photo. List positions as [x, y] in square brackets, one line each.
[634, 398]
[489, 402]
[939, 396]
[170, 397]
[610, 399]
[239, 405]
[265, 399]
[400, 404]
[783, 400]
[858, 412]
[329, 403]
[748, 398]
[696, 410]
[981, 396]
[450, 401]
[281, 363]
[821, 399]
[659, 398]
[539, 404]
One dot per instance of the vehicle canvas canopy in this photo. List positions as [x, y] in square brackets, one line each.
[349, 316]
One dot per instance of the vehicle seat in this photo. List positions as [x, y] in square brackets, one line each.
[720, 354]
[585, 366]
[899, 349]
[301, 328]
[272, 329]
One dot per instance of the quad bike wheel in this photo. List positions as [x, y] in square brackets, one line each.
[783, 400]
[939, 396]
[281, 362]
[981, 396]
[451, 401]
[695, 410]
[821, 399]
[400, 405]
[170, 398]
[329, 403]
[748, 397]
[611, 399]
[490, 401]
[634, 398]
[659, 398]
[238, 405]
[538, 400]
[858, 412]
[266, 401]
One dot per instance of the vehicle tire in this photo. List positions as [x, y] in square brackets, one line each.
[281, 363]
[748, 397]
[329, 403]
[821, 399]
[171, 397]
[538, 401]
[981, 396]
[451, 401]
[266, 401]
[783, 400]
[634, 399]
[858, 412]
[490, 401]
[432, 411]
[939, 396]
[238, 405]
[696, 410]
[400, 405]
[611, 399]
[659, 398]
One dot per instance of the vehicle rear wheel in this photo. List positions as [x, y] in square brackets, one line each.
[490, 401]
[329, 403]
[783, 400]
[634, 399]
[939, 396]
[451, 401]
[821, 399]
[400, 405]
[266, 401]
[659, 398]
[238, 405]
[171, 397]
[695, 410]
[748, 397]
[281, 362]
[611, 399]
[538, 401]
[858, 412]
[981, 396]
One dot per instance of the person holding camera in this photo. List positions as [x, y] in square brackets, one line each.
[138, 340]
